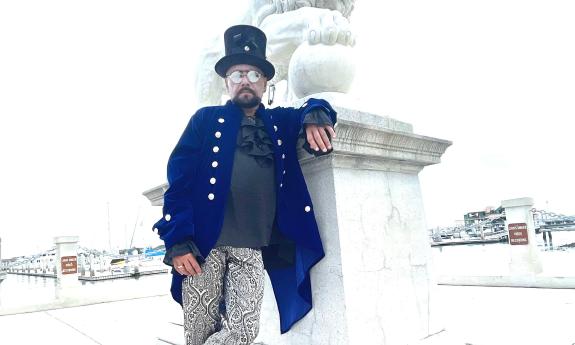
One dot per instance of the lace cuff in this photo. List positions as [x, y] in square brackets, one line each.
[182, 249]
[316, 117]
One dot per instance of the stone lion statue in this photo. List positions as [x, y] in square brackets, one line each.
[307, 41]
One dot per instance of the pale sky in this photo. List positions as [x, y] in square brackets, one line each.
[94, 95]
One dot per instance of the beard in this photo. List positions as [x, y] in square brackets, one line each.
[246, 101]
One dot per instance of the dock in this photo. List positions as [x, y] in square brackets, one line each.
[123, 275]
[44, 275]
[466, 241]
[135, 274]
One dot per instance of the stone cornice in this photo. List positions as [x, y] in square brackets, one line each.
[368, 141]
[156, 194]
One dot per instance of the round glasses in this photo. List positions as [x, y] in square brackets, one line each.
[236, 76]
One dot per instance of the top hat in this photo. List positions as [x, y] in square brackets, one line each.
[245, 44]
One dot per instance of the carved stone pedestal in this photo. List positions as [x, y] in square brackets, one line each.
[374, 286]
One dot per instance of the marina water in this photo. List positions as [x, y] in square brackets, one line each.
[493, 258]
[18, 291]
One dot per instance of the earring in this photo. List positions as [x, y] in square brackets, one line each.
[271, 93]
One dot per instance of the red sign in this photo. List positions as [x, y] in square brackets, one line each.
[69, 264]
[518, 233]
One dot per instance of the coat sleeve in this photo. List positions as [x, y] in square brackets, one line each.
[312, 105]
[177, 223]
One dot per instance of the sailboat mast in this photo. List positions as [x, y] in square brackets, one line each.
[109, 232]
[135, 225]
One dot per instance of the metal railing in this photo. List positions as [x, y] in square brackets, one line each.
[545, 220]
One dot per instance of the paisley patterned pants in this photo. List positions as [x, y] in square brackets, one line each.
[234, 276]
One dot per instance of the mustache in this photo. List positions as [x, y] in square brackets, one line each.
[247, 90]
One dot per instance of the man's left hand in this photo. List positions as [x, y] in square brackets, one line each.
[317, 136]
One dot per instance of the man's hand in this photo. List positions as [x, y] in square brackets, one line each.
[317, 136]
[186, 265]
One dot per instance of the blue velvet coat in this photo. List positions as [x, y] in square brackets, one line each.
[194, 202]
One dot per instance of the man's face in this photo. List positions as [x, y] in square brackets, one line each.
[246, 94]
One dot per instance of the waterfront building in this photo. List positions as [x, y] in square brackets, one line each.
[490, 213]
[487, 222]
[2, 265]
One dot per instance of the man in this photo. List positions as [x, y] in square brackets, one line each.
[237, 202]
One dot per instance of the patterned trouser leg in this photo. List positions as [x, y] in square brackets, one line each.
[235, 274]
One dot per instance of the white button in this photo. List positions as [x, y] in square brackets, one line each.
[216, 149]
[307, 208]
[279, 142]
[283, 156]
[215, 164]
[167, 217]
[213, 180]
[155, 229]
[304, 105]
[281, 185]
[275, 128]
[247, 48]
[284, 172]
[218, 134]
[221, 120]
[211, 196]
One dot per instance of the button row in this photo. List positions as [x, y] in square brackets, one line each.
[215, 164]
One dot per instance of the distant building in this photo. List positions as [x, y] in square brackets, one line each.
[2, 268]
[475, 217]
[493, 220]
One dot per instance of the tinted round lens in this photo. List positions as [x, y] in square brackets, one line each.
[253, 76]
[236, 77]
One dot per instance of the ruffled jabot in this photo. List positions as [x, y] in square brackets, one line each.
[254, 141]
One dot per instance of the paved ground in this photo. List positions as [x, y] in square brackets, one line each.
[500, 315]
[135, 321]
[472, 315]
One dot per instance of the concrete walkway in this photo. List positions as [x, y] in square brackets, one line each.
[137, 321]
[506, 315]
[471, 315]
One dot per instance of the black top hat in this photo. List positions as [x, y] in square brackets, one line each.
[245, 44]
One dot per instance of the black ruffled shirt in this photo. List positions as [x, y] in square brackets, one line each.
[250, 209]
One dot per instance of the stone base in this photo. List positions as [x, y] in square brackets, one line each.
[375, 284]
